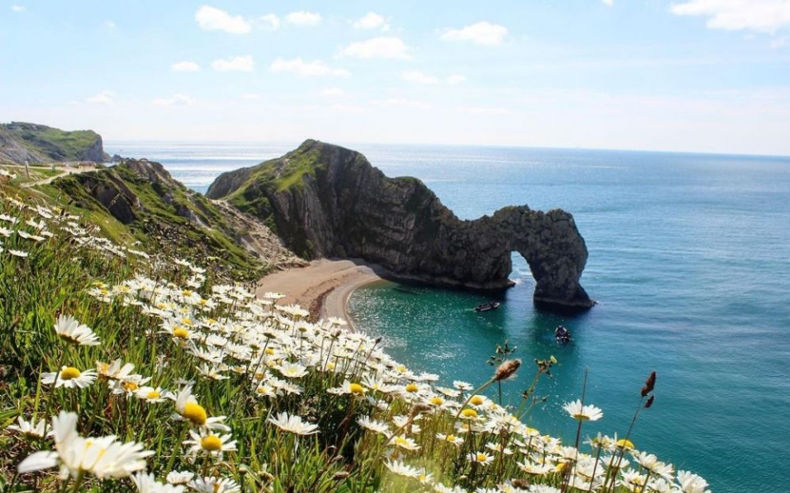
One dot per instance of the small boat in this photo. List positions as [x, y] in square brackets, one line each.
[486, 307]
[562, 335]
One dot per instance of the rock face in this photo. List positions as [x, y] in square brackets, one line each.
[327, 201]
[34, 143]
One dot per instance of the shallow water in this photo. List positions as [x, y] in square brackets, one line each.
[688, 261]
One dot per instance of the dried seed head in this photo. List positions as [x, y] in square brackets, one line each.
[506, 369]
[649, 402]
[650, 383]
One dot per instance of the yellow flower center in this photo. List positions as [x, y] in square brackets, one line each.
[450, 438]
[437, 401]
[195, 413]
[269, 351]
[477, 400]
[154, 394]
[481, 457]
[469, 413]
[401, 441]
[259, 375]
[130, 386]
[186, 321]
[356, 388]
[412, 387]
[69, 373]
[625, 443]
[330, 366]
[180, 333]
[186, 292]
[212, 443]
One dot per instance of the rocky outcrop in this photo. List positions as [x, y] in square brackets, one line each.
[30, 142]
[141, 195]
[327, 201]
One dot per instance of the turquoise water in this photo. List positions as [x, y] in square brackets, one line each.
[688, 260]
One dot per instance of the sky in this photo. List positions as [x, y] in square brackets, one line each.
[682, 75]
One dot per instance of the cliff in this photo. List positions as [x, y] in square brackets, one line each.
[147, 205]
[34, 143]
[328, 201]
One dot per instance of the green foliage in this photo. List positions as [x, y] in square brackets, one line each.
[52, 143]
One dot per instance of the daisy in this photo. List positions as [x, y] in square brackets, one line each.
[292, 370]
[480, 458]
[404, 470]
[69, 377]
[373, 425]
[146, 483]
[105, 457]
[152, 395]
[293, 424]
[214, 485]
[188, 408]
[17, 253]
[179, 477]
[452, 439]
[691, 483]
[580, 412]
[30, 428]
[210, 444]
[404, 442]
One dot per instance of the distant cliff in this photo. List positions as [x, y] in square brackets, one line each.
[34, 143]
[328, 201]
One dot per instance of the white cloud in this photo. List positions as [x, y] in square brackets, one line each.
[382, 47]
[315, 68]
[455, 79]
[213, 19]
[185, 66]
[269, 21]
[404, 103]
[485, 110]
[608, 2]
[17, 8]
[333, 92]
[779, 42]
[303, 18]
[234, 64]
[175, 100]
[104, 97]
[482, 33]
[767, 16]
[251, 96]
[110, 24]
[418, 77]
[371, 20]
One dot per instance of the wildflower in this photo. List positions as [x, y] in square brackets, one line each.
[214, 485]
[105, 457]
[293, 424]
[540, 488]
[209, 443]
[462, 386]
[405, 443]
[452, 439]
[30, 428]
[691, 483]
[652, 464]
[624, 443]
[480, 457]
[292, 370]
[69, 377]
[152, 395]
[70, 329]
[580, 412]
[115, 370]
[179, 477]
[17, 253]
[188, 408]
[401, 469]
[469, 413]
[146, 483]
[373, 425]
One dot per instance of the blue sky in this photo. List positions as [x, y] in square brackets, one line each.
[696, 75]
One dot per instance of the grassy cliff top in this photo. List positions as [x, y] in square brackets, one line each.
[45, 143]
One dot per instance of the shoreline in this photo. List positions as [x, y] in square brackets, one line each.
[323, 287]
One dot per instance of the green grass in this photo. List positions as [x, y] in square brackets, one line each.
[143, 313]
[53, 143]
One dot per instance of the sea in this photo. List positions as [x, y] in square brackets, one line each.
[689, 261]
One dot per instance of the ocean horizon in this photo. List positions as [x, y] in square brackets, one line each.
[687, 260]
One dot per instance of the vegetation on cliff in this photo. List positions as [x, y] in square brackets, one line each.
[31, 142]
[327, 201]
[124, 369]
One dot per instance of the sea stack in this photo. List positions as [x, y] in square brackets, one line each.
[327, 201]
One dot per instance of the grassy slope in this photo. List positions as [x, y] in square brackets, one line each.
[53, 143]
[59, 276]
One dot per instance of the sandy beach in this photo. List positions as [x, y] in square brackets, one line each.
[323, 287]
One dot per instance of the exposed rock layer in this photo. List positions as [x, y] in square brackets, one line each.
[327, 201]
